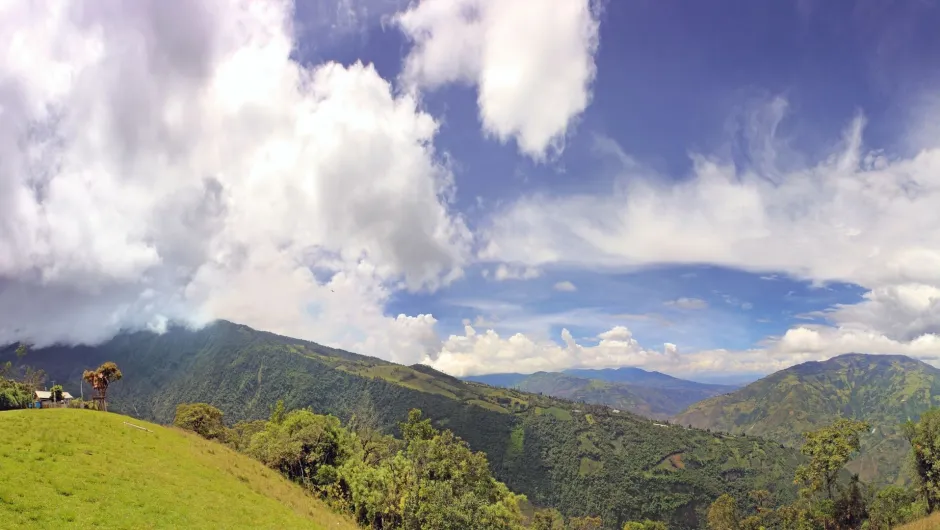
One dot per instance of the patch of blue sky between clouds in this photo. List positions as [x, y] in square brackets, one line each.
[738, 309]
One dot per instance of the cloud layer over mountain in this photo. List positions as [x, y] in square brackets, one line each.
[174, 160]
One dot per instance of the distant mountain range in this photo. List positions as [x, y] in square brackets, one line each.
[581, 459]
[886, 390]
[651, 394]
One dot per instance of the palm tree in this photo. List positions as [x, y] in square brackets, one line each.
[100, 379]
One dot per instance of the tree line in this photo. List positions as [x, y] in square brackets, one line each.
[830, 501]
[428, 478]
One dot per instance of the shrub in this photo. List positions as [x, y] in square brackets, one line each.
[201, 418]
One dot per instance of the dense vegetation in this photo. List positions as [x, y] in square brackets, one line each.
[431, 479]
[428, 479]
[584, 460]
[18, 382]
[14, 394]
[66, 468]
[883, 390]
[829, 502]
[650, 394]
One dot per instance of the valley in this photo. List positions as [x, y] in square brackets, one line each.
[650, 394]
[581, 459]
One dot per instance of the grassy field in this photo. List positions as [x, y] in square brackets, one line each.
[929, 523]
[67, 468]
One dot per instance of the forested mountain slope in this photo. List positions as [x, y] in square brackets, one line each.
[650, 394]
[885, 390]
[584, 460]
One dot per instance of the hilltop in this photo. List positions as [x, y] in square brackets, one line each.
[581, 459]
[885, 390]
[71, 468]
[650, 394]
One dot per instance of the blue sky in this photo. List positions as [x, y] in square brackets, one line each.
[673, 77]
[701, 188]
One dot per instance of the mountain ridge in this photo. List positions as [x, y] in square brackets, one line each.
[582, 459]
[885, 390]
[650, 394]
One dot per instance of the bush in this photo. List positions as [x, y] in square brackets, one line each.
[14, 395]
[201, 418]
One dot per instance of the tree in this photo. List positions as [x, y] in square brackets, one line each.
[304, 446]
[453, 487]
[549, 519]
[56, 393]
[101, 379]
[364, 422]
[891, 507]
[851, 510]
[201, 418]
[278, 411]
[829, 449]
[22, 350]
[13, 395]
[762, 499]
[924, 437]
[6, 370]
[645, 525]
[33, 379]
[585, 523]
[723, 514]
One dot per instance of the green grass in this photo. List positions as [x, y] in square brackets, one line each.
[68, 468]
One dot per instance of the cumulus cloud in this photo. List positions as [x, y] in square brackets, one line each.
[857, 216]
[565, 287]
[688, 303]
[473, 353]
[170, 160]
[533, 66]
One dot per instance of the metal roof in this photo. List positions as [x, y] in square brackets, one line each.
[45, 394]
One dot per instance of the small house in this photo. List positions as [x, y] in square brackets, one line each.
[44, 399]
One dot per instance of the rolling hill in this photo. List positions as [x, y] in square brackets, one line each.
[581, 459]
[886, 390]
[650, 394]
[69, 468]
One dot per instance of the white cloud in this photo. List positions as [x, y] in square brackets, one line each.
[168, 160]
[533, 66]
[512, 272]
[473, 353]
[164, 160]
[688, 303]
[858, 216]
[565, 287]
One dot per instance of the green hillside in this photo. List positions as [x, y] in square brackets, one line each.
[648, 399]
[583, 460]
[69, 468]
[885, 390]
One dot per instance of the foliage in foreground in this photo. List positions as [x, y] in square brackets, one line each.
[17, 385]
[429, 479]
